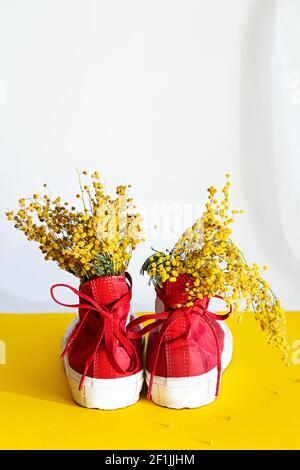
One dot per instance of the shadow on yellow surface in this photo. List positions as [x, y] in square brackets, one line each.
[259, 405]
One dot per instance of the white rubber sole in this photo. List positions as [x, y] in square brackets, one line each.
[190, 392]
[103, 394]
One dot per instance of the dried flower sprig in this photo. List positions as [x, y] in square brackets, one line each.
[207, 254]
[96, 240]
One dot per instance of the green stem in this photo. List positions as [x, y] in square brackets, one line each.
[81, 189]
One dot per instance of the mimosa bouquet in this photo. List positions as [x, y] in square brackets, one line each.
[210, 264]
[94, 240]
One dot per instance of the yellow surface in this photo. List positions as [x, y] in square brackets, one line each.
[259, 406]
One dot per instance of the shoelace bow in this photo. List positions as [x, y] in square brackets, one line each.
[108, 329]
[165, 320]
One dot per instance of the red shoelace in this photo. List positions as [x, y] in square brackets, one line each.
[108, 329]
[165, 320]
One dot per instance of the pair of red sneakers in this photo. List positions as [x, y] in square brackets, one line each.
[188, 347]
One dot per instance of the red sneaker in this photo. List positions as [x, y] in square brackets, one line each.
[188, 349]
[103, 366]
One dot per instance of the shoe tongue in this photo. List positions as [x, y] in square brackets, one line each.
[174, 293]
[105, 289]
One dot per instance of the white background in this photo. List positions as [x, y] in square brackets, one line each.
[167, 95]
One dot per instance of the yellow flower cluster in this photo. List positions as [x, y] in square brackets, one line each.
[206, 253]
[97, 240]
